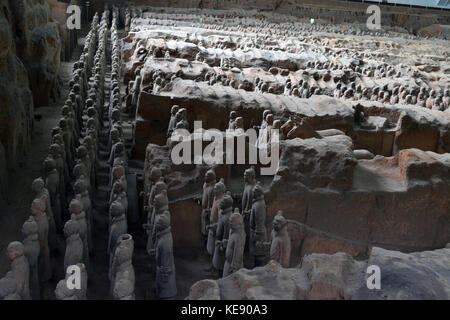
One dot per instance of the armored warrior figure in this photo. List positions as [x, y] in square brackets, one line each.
[181, 116]
[74, 244]
[55, 152]
[258, 226]
[207, 200]
[166, 286]
[234, 254]
[78, 215]
[118, 227]
[161, 206]
[81, 293]
[155, 175]
[231, 123]
[118, 194]
[44, 266]
[63, 292]
[157, 189]
[219, 191]
[223, 231]
[82, 193]
[20, 269]
[247, 197]
[31, 251]
[41, 192]
[9, 287]
[280, 248]
[172, 121]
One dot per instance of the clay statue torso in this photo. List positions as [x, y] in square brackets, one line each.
[21, 273]
[280, 249]
[234, 254]
[165, 265]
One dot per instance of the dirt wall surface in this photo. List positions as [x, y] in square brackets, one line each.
[29, 63]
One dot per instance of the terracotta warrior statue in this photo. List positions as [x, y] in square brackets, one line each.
[219, 191]
[55, 153]
[62, 291]
[118, 227]
[280, 247]
[81, 293]
[118, 194]
[161, 206]
[234, 254]
[82, 194]
[223, 231]
[9, 287]
[172, 121]
[258, 226]
[31, 251]
[181, 116]
[157, 189]
[207, 201]
[231, 123]
[53, 187]
[40, 191]
[78, 215]
[123, 288]
[166, 286]
[121, 266]
[247, 197]
[155, 176]
[74, 244]
[20, 269]
[39, 215]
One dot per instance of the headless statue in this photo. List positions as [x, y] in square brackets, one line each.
[122, 268]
